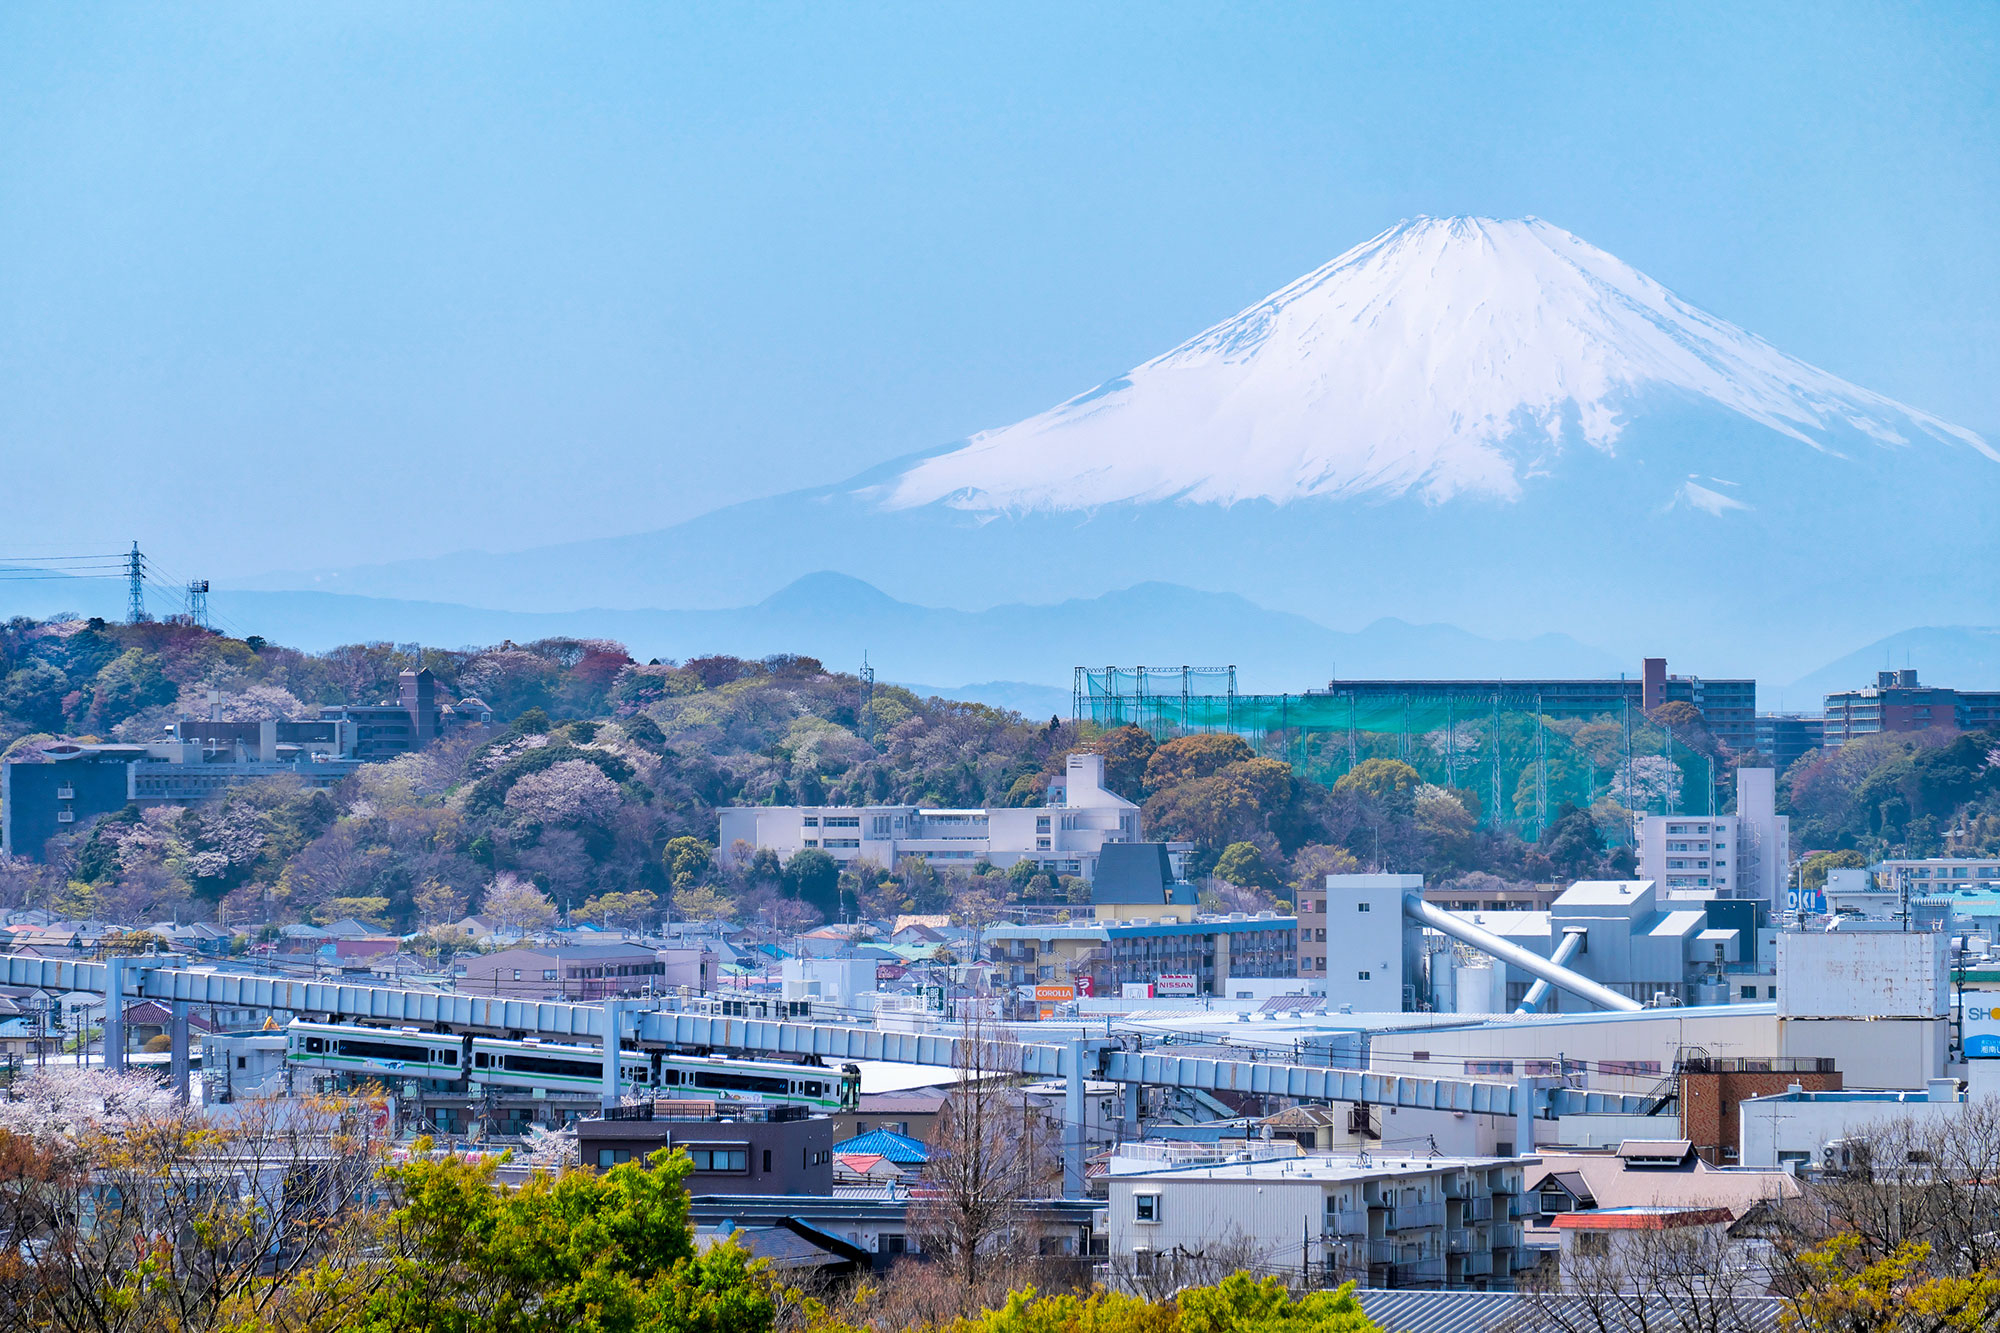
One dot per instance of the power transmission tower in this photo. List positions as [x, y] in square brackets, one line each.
[867, 697]
[197, 602]
[135, 579]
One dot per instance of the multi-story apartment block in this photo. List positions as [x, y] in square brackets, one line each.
[1063, 837]
[1449, 1223]
[1744, 855]
[1730, 706]
[1937, 874]
[1897, 702]
[1198, 957]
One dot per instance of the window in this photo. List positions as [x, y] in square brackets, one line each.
[1593, 1242]
[894, 1242]
[1749, 992]
[707, 1158]
[1363, 976]
[1489, 1066]
[548, 974]
[1364, 907]
[1145, 1207]
[812, 821]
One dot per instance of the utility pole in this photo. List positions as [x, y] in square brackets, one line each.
[197, 603]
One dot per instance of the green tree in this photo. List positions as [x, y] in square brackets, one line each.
[702, 903]
[1186, 758]
[1126, 751]
[1812, 871]
[576, 1253]
[813, 878]
[1243, 865]
[686, 860]
[1573, 844]
[1382, 779]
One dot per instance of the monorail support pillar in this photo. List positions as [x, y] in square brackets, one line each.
[613, 1013]
[114, 1013]
[177, 1035]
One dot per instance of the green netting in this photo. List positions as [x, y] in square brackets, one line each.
[1522, 756]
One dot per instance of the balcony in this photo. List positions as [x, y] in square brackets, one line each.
[1422, 1273]
[1505, 1236]
[1479, 1263]
[1347, 1222]
[1479, 1210]
[1382, 1251]
[1457, 1241]
[1416, 1217]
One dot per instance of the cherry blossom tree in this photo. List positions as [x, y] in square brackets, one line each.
[574, 791]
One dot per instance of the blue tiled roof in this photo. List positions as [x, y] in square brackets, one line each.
[898, 1148]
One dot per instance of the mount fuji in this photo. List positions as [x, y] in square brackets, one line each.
[1488, 423]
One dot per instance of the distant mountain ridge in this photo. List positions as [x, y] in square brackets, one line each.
[1019, 656]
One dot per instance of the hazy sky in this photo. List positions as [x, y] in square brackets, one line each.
[300, 285]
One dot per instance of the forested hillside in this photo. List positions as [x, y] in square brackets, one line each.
[595, 791]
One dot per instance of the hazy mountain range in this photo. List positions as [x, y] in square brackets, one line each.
[1016, 656]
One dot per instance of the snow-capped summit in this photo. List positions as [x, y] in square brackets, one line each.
[1445, 357]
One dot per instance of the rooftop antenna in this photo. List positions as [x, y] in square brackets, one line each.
[135, 580]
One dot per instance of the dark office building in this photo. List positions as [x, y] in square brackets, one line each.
[749, 1150]
[1785, 738]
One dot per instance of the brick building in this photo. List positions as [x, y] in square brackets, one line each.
[1712, 1090]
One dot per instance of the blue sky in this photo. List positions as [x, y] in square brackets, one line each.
[287, 286]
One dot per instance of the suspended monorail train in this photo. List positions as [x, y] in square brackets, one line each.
[410, 1053]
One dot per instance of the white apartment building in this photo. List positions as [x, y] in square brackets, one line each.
[1938, 874]
[1744, 855]
[1063, 837]
[1434, 1222]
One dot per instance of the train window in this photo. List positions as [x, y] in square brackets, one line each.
[479, 1059]
[382, 1050]
[447, 1057]
[542, 1064]
[815, 1089]
[315, 1046]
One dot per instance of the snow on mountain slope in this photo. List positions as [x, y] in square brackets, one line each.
[1445, 357]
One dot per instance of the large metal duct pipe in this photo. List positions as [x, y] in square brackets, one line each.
[1515, 956]
[1572, 941]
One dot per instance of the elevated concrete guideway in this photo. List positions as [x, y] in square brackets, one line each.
[1073, 1060]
